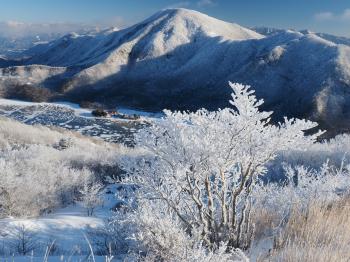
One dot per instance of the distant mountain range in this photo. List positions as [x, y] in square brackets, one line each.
[15, 45]
[182, 59]
[268, 31]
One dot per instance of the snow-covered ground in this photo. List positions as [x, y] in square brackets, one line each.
[77, 109]
[72, 116]
[144, 114]
[66, 227]
[63, 258]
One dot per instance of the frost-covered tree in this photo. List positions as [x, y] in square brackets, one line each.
[203, 165]
[23, 240]
[91, 196]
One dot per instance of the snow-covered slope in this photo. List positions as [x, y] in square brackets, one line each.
[333, 38]
[181, 59]
[16, 36]
[156, 36]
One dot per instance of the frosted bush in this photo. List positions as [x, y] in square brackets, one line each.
[198, 172]
[334, 151]
[40, 172]
[304, 184]
[34, 179]
[90, 195]
[158, 235]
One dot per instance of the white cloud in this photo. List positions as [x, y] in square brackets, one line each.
[16, 29]
[324, 16]
[346, 14]
[330, 16]
[202, 3]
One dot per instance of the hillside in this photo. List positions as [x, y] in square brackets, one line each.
[182, 59]
[160, 34]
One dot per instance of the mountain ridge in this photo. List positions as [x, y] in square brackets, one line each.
[182, 59]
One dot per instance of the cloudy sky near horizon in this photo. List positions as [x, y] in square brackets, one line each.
[29, 16]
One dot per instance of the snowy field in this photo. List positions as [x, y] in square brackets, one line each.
[67, 226]
[71, 116]
[67, 229]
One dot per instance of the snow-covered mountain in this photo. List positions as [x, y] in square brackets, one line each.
[182, 59]
[156, 36]
[13, 46]
[266, 31]
[15, 37]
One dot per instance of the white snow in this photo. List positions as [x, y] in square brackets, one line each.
[77, 109]
[145, 114]
[83, 112]
[66, 226]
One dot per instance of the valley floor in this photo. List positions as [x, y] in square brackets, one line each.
[71, 116]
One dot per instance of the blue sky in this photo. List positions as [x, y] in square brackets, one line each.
[332, 16]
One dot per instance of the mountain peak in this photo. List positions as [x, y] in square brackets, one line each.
[182, 20]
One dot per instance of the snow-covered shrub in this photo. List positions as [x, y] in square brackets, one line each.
[298, 215]
[304, 185]
[22, 240]
[64, 144]
[202, 167]
[106, 240]
[156, 235]
[33, 180]
[37, 175]
[90, 196]
[334, 151]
